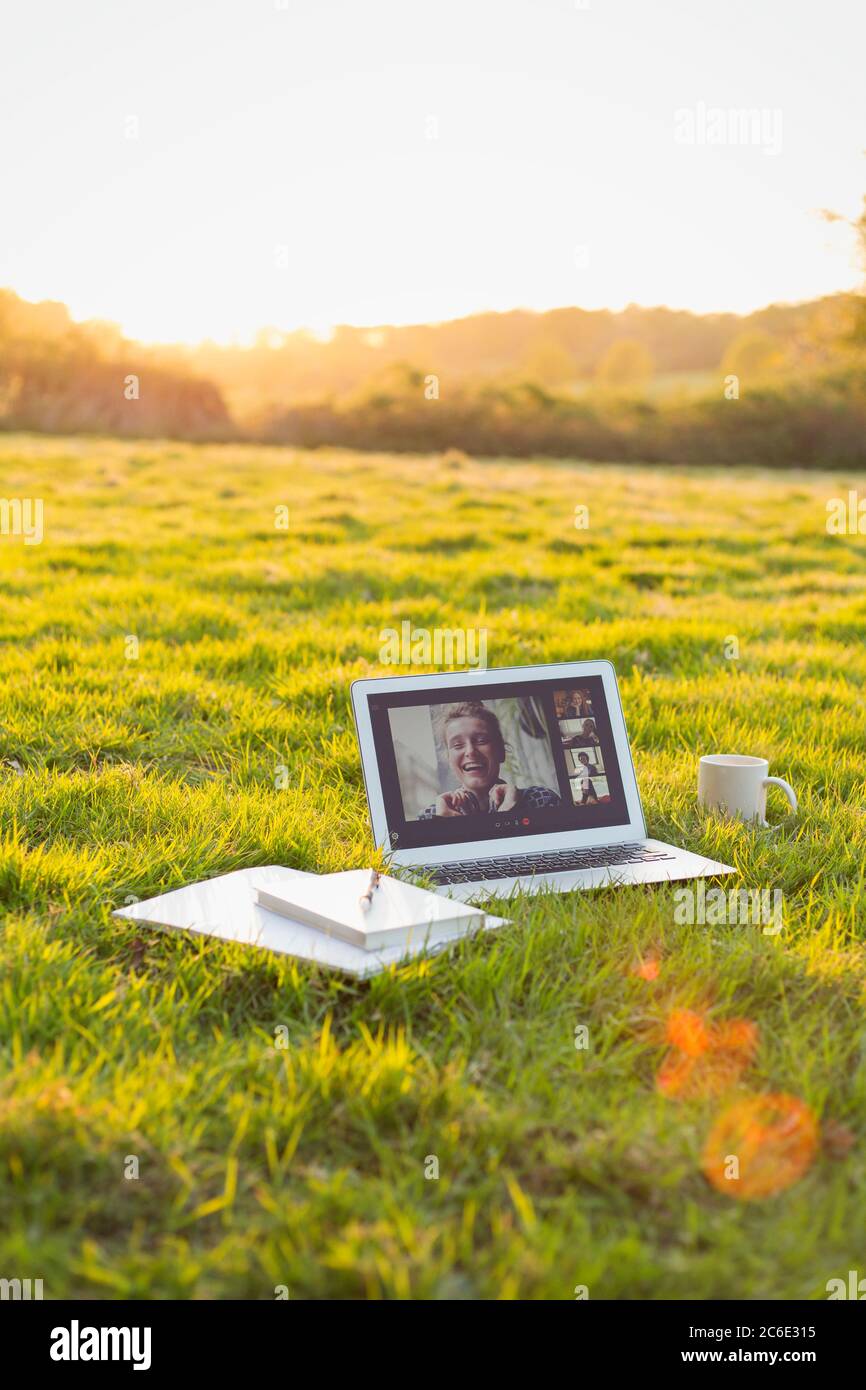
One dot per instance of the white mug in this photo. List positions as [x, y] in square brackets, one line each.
[734, 785]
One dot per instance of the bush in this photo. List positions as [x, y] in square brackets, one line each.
[817, 422]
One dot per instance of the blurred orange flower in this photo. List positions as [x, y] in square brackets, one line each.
[705, 1060]
[760, 1146]
[646, 969]
[688, 1032]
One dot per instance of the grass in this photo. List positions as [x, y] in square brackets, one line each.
[304, 1167]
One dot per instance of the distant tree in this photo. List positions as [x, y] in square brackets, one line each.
[627, 363]
[752, 354]
[548, 363]
[105, 338]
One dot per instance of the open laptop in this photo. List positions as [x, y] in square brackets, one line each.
[521, 778]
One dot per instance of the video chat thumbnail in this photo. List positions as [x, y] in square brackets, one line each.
[474, 757]
[578, 733]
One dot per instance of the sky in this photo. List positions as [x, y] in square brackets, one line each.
[203, 168]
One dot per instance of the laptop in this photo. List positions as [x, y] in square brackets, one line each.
[489, 782]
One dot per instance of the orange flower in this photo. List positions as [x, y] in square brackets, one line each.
[693, 1078]
[646, 969]
[760, 1146]
[688, 1032]
[705, 1060]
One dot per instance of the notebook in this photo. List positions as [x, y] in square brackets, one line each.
[399, 913]
[226, 908]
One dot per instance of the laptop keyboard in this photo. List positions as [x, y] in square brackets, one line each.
[558, 862]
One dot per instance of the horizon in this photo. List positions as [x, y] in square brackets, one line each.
[326, 336]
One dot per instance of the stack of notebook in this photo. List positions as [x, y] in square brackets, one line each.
[315, 917]
[371, 911]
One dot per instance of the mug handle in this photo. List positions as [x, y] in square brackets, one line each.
[786, 788]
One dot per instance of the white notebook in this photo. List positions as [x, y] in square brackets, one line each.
[226, 908]
[399, 914]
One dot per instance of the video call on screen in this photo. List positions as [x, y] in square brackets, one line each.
[496, 761]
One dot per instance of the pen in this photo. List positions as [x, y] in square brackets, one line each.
[365, 902]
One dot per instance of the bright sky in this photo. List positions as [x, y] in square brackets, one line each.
[309, 162]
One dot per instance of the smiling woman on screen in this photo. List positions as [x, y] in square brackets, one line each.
[475, 748]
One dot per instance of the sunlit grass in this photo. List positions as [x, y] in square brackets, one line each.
[304, 1166]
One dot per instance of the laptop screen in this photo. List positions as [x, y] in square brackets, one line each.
[495, 762]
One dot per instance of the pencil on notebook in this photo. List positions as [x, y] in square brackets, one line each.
[365, 902]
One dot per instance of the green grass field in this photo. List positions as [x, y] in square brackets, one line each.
[304, 1167]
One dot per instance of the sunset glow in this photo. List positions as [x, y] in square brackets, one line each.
[230, 166]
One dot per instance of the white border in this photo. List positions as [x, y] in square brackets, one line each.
[567, 671]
